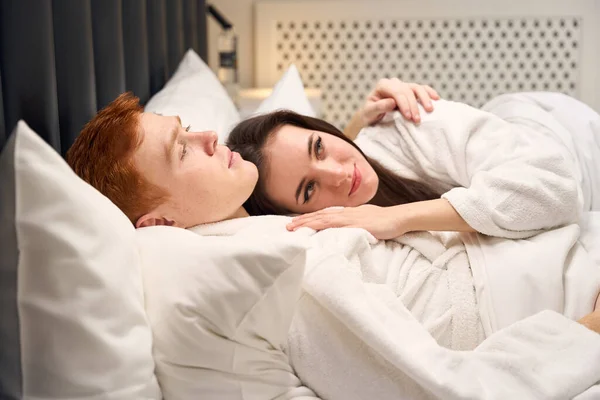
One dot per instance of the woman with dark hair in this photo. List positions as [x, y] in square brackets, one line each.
[250, 137]
[460, 169]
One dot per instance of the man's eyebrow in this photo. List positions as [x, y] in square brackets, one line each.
[171, 144]
[299, 189]
[173, 139]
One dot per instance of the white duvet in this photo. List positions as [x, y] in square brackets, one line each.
[353, 336]
[356, 340]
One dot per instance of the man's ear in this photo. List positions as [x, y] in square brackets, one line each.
[152, 220]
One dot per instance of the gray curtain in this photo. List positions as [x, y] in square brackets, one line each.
[62, 60]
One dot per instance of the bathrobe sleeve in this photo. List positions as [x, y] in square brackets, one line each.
[504, 179]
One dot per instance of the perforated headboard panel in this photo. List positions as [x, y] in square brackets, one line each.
[469, 58]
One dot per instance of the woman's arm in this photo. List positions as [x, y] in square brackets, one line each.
[431, 215]
[388, 95]
[355, 125]
[387, 222]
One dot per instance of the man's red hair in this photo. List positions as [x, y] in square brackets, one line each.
[102, 156]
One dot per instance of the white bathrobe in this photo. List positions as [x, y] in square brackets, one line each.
[575, 122]
[506, 179]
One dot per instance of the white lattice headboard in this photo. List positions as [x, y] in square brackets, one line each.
[467, 50]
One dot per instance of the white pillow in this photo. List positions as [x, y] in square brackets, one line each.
[72, 322]
[288, 94]
[196, 95]
[220, 309]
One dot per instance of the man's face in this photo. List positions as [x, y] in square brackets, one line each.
[205, 182]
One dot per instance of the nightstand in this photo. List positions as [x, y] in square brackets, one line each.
[249, 99]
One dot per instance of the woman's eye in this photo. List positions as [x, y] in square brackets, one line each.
[309, 191]
[318, 147]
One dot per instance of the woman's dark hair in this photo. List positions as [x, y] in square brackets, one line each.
[250, 137]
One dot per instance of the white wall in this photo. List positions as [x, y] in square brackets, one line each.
[240, 13]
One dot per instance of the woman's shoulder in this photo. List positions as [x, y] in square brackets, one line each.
[444, 110]
[393, 126]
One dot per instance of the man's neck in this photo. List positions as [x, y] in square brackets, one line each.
[240, 213]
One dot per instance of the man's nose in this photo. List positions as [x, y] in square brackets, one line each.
[207, 139]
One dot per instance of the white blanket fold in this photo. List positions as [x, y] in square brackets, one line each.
[545, 356]
[361, 326]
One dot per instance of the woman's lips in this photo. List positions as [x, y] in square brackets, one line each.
[356, 179]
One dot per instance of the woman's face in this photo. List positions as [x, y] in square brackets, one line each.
[310, 170]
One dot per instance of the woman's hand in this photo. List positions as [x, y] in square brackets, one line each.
[392, 93]
[388, 95]
[381, 222]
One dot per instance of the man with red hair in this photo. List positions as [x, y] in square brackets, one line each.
[157, 171]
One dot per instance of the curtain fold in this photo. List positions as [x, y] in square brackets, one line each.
[202, 30]
[135, 43]
[174, 36]
[74, 58]
[3, 134]
[27, 64]
[109, 62]
[190, 25]
[157, 44]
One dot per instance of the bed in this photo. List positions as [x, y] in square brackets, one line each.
[91, 308]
